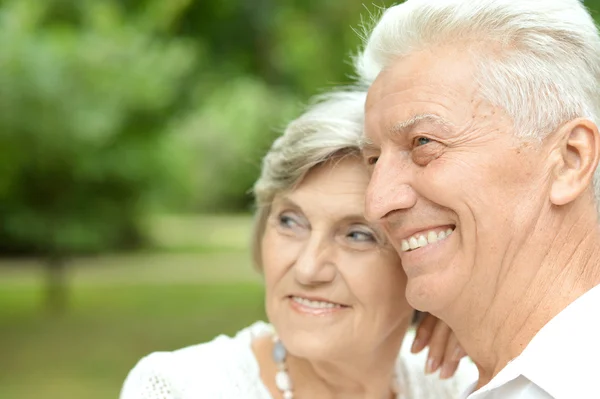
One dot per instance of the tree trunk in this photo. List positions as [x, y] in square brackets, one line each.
[56, 285]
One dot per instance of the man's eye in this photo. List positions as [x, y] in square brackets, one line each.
[372, 160]
[419, 141]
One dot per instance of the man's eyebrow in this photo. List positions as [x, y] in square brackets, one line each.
[365, 144]
[410, 124]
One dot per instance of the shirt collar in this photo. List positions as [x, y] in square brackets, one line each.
[562, 358]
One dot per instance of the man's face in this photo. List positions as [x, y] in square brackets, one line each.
[457, 194]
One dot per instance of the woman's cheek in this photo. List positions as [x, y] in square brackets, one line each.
[279, 253]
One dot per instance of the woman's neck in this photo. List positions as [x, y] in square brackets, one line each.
[357, 378]
[370, 376]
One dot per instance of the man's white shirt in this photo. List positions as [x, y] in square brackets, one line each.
[562, 361]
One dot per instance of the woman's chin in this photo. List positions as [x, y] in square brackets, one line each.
[312, 340]
[314, 346]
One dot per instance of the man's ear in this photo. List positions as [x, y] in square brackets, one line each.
[579, 142]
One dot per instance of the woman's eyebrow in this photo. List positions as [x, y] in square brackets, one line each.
[285, 200]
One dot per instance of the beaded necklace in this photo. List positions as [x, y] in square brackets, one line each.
[282, 378]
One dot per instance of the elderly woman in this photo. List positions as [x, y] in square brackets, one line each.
[334, 289]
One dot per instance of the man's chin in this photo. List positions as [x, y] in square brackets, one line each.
[425, 295]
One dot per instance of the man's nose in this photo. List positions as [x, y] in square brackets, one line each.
[389, 188]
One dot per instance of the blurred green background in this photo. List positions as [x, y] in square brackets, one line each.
[130, 134]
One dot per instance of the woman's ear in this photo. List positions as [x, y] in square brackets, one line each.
[579, 142]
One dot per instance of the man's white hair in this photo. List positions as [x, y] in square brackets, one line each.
[537, 59]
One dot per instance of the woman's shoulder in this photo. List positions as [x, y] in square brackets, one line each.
[219, 368]
[412, 377]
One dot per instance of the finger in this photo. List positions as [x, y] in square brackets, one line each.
[437, 347]
[448, 369]
[452, 356]
[424, 332]
[458, 353]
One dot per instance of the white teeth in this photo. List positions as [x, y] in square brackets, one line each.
[414, 244]
[315, 304]
[432, 237]
[421, 240]
[405, 246]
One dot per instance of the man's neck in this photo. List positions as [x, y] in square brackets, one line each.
[542, 279]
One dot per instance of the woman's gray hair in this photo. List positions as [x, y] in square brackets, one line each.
[331, 127]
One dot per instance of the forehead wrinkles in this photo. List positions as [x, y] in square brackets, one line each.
[407, 112]
[461, 107]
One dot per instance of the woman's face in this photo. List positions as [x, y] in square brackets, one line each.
[333, 287]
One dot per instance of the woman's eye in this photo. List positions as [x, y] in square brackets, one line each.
[361, 236]
[287, 221]
[419, 141]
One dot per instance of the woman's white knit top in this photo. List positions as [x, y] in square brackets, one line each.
[226, 368]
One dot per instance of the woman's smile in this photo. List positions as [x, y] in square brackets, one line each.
[315, 306]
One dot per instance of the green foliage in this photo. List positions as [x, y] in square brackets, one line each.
[83, 108]
[262, 61]
[227, 138]
[112, 108]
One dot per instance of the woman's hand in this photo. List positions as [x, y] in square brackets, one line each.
[445, 351]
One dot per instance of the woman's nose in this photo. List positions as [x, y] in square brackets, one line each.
[316, 264]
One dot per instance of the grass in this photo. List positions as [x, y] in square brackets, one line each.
[121, 308]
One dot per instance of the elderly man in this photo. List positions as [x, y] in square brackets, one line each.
[482, 119]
